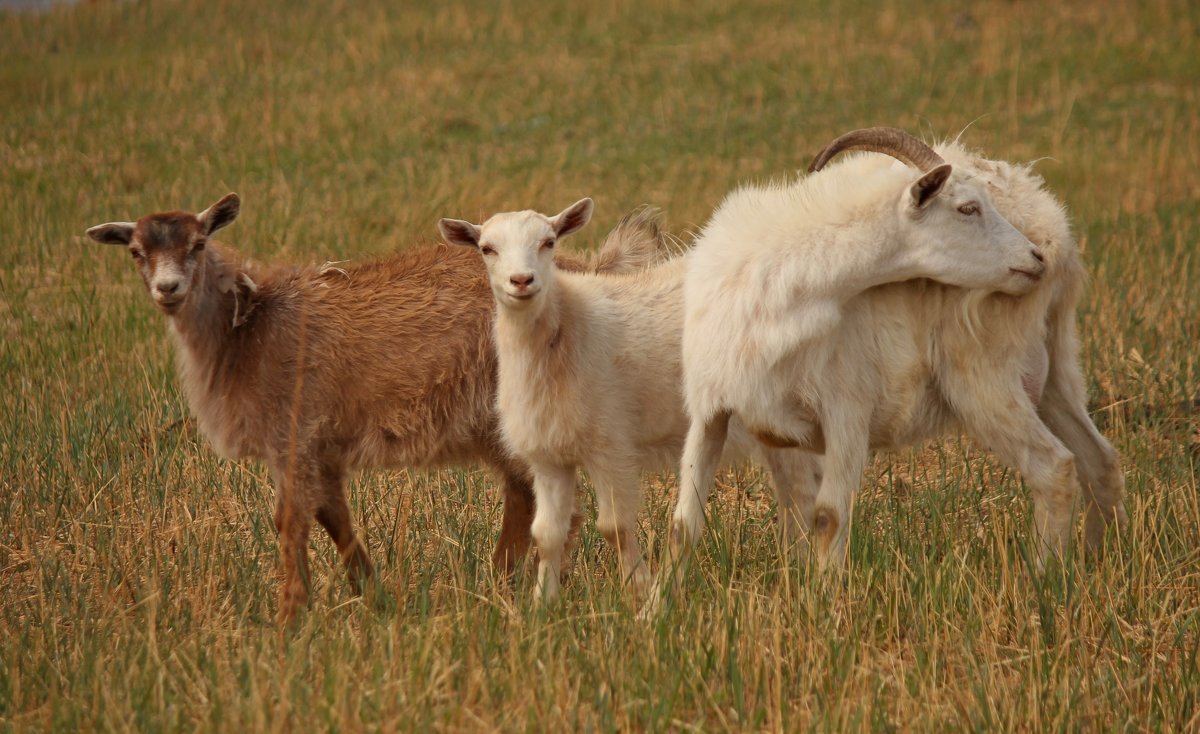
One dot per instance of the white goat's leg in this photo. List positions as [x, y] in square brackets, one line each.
[554, 495]
[996, 410]
[1096, 461]
[795, 476]
[617, 502]
[698, 470]
[847, 448]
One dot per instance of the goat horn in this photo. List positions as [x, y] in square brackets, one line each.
[892, 141]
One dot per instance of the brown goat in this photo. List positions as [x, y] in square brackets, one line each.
[319, 371]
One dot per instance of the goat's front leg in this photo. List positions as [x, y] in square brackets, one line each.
[296, 489]
[554, 491]
[996, 410]
[847, 448]
[697, 472]
[795, 476]
[334, 515]
[617, 501]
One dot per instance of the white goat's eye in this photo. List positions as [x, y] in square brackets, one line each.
[487, 249]
[969, 208]
[547, 244]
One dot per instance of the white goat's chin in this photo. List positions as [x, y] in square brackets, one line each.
[1022, 281]
[520, 299]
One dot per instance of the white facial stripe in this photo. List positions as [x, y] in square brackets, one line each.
[167, 272]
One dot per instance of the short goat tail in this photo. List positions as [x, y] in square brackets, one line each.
[636, 243]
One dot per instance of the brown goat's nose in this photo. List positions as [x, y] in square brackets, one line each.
[521, 281]
[167, 288]
[1037, 255]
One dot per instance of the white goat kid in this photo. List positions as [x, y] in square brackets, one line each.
[590, 377]
[540, 369]
[787, 327]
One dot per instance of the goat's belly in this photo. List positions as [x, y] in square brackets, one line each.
[541, 440]
[923, 422]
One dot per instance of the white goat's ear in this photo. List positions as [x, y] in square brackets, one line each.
[572, 218]
[220, 214]
[458, 232]
[113, 233]
[929, 186]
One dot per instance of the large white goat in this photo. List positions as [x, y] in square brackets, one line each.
[319, 371]
[590, 377]
[788, 328]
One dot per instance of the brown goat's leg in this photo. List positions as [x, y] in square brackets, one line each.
[334, 516]
[293, 526]
[514, 539]
[295, 491]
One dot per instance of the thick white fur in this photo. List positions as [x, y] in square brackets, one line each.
[790, 327]
[590, 377]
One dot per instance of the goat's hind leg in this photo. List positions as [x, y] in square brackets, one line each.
[334, 516]
[1096, 461]
[997, 411]
[617, 501]
[513, 543]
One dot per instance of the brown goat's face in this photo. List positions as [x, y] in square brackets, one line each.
[168, 248]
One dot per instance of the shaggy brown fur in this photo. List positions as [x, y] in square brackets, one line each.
[319, 371]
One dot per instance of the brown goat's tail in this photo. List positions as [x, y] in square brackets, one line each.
[636, 243]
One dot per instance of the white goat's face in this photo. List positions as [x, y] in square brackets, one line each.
[959, 236]
[168, 247]
[518, 250]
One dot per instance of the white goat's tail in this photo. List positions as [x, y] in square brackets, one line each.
[636, 243]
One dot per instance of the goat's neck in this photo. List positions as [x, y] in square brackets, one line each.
[534, 328]
[202, 328]
[862, 255]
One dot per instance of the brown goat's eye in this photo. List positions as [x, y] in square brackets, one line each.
[969, 208]
[487, 249]
[137, 255]
[548, 244]
[199, 245]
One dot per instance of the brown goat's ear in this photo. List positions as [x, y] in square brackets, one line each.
[220, 214]
[113, 233]
[458, 232]
[929, 186]
[572, 218]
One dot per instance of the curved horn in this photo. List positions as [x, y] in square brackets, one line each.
[892, 141]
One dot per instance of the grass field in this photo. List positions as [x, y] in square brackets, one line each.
[137, 570]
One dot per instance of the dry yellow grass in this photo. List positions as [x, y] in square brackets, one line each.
[137, 571]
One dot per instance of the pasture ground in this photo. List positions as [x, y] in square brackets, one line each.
[137, 571]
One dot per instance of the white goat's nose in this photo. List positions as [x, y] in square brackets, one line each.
[523, 280]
